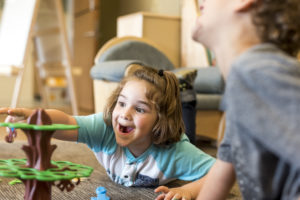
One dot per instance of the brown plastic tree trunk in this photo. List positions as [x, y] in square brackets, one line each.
[38, 152]
[37, 190]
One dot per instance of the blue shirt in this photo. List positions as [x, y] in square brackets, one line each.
[156, 166]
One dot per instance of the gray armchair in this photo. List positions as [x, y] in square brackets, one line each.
[119, 53]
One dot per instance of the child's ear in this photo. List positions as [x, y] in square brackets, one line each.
[243, 5]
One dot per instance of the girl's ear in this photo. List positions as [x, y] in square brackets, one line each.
[244, 5]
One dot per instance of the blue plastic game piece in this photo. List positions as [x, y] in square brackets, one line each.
[101, 194]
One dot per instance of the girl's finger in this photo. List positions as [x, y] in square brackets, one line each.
[4, 110]
[169, 196]
[8, 119]
[160, 197]
[12, 119]
[177, 197]
[163, 189]
[22, 112]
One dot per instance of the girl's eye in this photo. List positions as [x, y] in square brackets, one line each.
[121, 104]
[140, 110]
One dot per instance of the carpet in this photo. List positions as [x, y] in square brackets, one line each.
[80, 154]
[76, 153]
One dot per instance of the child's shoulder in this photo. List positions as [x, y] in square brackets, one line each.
[173, 159]
[264, 62]
[265, 56]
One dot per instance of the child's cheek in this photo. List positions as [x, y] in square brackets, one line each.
[139, 122]
[143, 123]
[114, 117]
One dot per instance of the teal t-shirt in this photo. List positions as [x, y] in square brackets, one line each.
[156, 166]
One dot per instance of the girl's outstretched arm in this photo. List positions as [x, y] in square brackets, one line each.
[185, 192]
[219, 181]
[56, 116]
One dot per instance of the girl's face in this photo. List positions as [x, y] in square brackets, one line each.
[133, 117]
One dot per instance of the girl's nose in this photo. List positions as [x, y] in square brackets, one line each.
[126, 115]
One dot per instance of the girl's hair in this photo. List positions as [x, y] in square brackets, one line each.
[164, 94]
[278, 22]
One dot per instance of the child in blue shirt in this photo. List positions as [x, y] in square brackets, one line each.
[139, 138]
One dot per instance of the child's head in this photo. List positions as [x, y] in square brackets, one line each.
[161, 92]
[256, 21]
[278, 22]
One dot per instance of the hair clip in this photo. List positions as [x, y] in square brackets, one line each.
[161, 72]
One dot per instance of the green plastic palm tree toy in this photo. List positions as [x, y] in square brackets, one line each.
[38, 172]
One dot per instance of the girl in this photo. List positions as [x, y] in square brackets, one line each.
[139, 138]
[255, 43]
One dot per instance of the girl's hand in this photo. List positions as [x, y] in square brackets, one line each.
[173, 193]
[15, 115]
[56, 117]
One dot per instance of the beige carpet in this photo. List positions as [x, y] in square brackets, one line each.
[79, 153]
[76, 153]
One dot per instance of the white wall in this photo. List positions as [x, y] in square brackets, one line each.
[7, 86]
[7, 83]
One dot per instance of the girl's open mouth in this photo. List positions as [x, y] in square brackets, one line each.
[125, 129]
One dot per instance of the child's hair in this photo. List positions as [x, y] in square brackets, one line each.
[278, 22]
[164, 94]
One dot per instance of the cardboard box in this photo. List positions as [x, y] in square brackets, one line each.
[163, 30]
[82, 6]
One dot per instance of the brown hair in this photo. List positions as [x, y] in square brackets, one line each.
[164, 95]
[278, 22]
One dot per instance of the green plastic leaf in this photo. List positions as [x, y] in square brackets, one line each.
[16, 168]
[51, 127]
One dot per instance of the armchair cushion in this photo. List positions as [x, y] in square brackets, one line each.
[209, 81]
